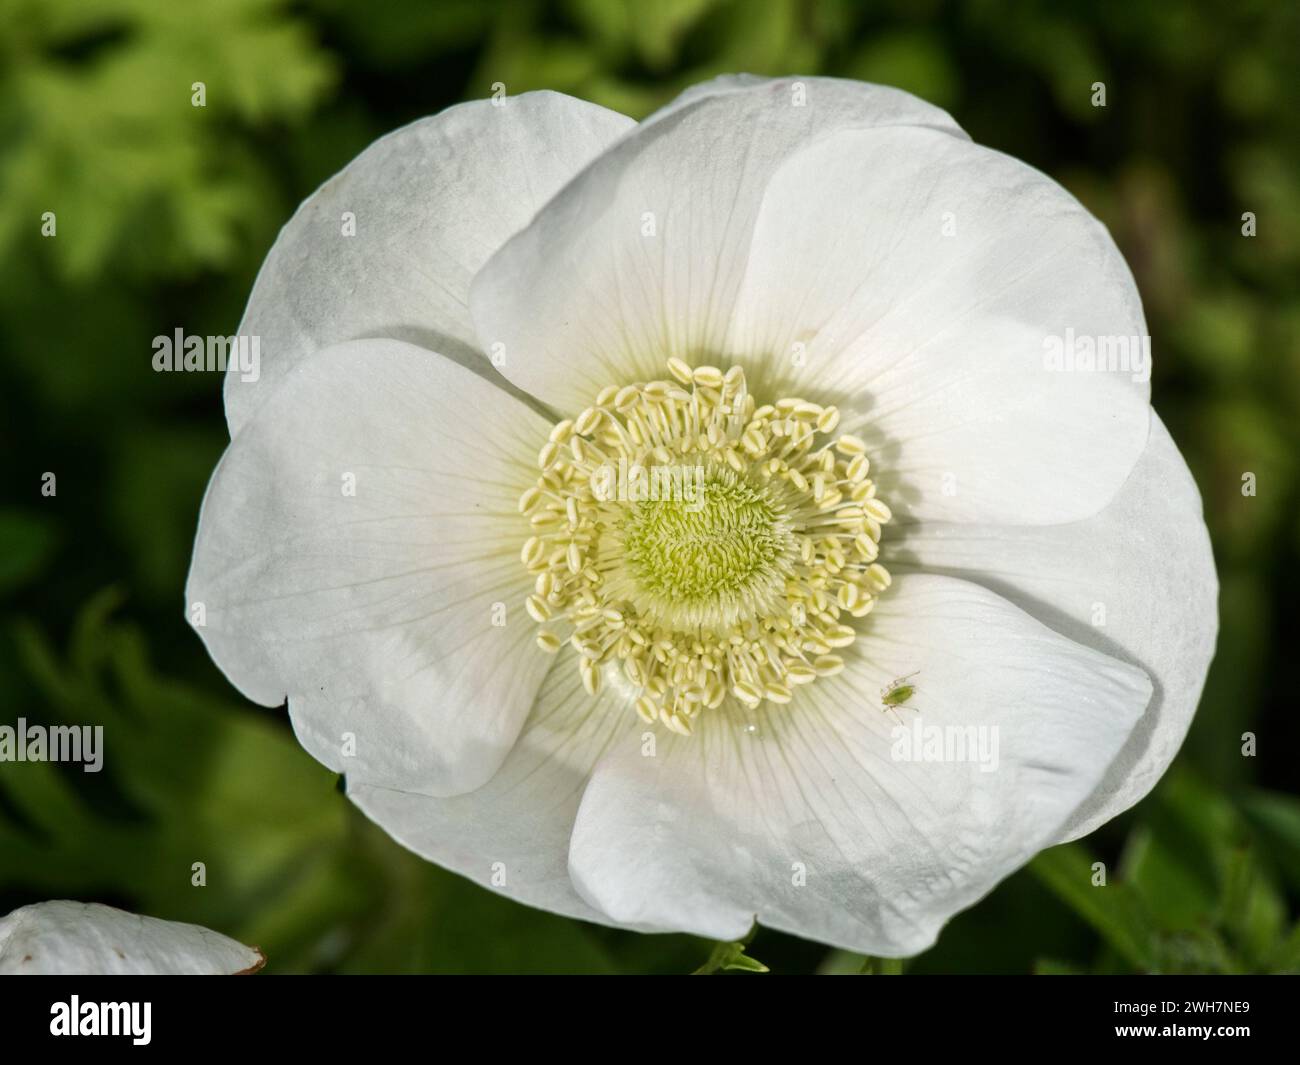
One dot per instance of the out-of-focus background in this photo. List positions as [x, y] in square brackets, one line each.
[164, 212]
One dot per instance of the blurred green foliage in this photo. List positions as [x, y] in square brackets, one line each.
[164, 212]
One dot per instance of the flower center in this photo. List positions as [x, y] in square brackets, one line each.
[702, 544]
[705, 554]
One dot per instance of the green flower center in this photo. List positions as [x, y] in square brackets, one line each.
[720, 546]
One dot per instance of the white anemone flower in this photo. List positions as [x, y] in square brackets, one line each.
[88, 939]
[824, 301]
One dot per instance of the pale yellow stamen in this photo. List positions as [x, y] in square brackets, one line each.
[732, 578]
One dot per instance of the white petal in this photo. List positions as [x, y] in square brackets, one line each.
[641, 256]
[839, 101]
[374, 611]
[87, 939]
[916, 280]
[1145, 561]
[431, 202]
[716, 829]
[512, 834]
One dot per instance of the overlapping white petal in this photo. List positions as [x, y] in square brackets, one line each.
[641, 256]
[357, 552]
[813, 824]
[425, 206]
[918, 280]
[849, 245]
[88, 939]
[512, 834]
[1136, 581]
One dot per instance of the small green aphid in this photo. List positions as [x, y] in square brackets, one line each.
[896, 693]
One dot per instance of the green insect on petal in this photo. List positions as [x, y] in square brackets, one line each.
[898, 696]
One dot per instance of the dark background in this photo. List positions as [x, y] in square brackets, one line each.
[164, 213]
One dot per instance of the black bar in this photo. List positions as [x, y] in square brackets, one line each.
[259, 1014]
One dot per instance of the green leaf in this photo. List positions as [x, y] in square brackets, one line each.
[1114, 910]
[1277, 818]
[185, 779]
[113, 145]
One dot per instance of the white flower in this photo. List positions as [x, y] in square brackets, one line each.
[841, 247]
[87, 939]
